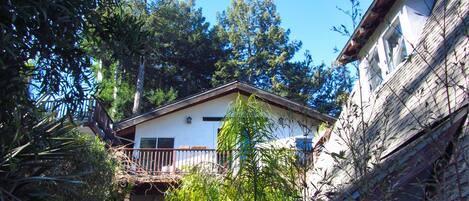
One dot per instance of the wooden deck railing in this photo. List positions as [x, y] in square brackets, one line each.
[87, 112]
[175, 161]
[160, 161]
[80, 110]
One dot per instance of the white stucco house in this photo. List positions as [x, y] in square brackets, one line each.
[185, 132]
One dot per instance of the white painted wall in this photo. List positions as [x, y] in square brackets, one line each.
[414, 16]
[204, 133]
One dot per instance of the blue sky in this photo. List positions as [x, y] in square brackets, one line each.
[309, 21]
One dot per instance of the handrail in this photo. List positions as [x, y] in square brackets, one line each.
[158, 161]
[100, 102]
[197, 149]
[178, 161]
[89, 112]
[81, 108]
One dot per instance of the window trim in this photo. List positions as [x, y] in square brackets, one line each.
[147, 138]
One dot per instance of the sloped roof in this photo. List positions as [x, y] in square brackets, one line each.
[233, 87]
[367, 26]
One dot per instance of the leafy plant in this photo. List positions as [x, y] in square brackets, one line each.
[51, 160]
[199, 185]
[159, 97]
[261, 171]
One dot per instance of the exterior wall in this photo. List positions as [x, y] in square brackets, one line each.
[411, 99]
[204, 133]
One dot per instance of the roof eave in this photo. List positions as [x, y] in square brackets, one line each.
[377, 10]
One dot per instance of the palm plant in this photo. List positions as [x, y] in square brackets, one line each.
[265, 171]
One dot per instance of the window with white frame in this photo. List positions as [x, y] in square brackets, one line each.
[394, 46]
[373, 71]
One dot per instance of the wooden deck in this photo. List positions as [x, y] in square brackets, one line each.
[86, 112]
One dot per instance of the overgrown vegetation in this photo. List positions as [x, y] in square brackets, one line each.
[51, 160]
[42, 158]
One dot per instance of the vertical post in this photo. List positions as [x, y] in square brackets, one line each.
[155, 161]
[174, 161]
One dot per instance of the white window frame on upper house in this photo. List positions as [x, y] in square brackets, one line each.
[411, 35]
[380, 47]
[391, 66]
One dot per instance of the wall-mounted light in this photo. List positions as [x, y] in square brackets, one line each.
[188, 120]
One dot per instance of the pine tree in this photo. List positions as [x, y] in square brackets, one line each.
[159, 51]
[257, 46]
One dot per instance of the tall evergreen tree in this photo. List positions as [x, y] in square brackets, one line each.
[187, 48]
[160, 51]
[126, 51]
[259, 52]
[257, 46]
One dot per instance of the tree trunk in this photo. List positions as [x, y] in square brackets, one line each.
[117, 82]
[139, 87]
[99, 74]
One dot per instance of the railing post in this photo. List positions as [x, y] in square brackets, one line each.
[174, 162]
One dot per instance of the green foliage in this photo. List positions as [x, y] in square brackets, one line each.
[182, 52]
[263, 167]
[50, 160]
[246, 125]
[94, 166]
[259, 52]
[115, 94]
[187, 48]
[198, 185]
[42, 56]
[159, 97]
[258, 47]
[334, 84]
[46, 34]
[178, 46]
[263, 171]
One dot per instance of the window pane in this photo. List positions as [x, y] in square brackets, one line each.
[148, 143]
[303, 148]
[304, 144]
[165, 142]
[374, 71]
[395, 47]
